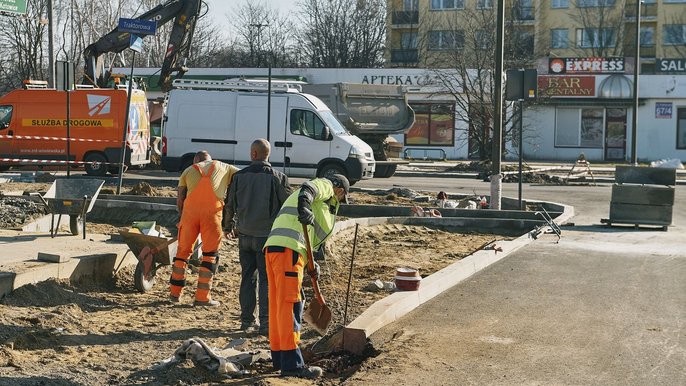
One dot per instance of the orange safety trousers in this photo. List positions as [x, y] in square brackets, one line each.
[202, 214]
[285, 274]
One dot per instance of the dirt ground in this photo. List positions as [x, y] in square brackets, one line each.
[58, 333]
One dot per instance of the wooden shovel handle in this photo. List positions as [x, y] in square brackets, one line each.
[310, 267]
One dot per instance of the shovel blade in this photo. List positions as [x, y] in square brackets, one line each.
[318, 315]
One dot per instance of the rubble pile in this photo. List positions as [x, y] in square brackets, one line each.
[16, 211]
[397, 192]
[535, 178]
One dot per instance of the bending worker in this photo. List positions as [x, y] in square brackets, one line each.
[314, 204]
[254, 199]
[200, 201]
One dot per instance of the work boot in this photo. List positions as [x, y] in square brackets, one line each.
[249, 326]
[311, 372]
[209, 303]
[264, 331]
[174, 299]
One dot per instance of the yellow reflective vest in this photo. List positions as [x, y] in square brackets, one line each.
[287, 231]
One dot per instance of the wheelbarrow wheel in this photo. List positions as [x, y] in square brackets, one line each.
[75, 223]
[141, 282]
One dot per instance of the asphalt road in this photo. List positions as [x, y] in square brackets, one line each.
[604, 306]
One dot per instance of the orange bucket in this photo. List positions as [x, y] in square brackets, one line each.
[407, 279]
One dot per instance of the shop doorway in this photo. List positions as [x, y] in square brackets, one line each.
[615, 134]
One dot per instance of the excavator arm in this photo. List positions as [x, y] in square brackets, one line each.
[184, 13]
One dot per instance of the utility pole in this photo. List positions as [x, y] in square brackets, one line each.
[259, 27]
[637, 69]
[497, 140]
[51, 48]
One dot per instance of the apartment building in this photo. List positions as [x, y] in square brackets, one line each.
[432, 33]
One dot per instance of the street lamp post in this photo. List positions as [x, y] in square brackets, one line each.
[637, 69]
[259, 27]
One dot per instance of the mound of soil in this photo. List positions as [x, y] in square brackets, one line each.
[143, 189]
[108, 333]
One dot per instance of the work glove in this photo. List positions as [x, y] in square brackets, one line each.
[317, 271]
[305, 216]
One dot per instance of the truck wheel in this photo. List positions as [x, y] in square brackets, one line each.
[331, 169]
[186, 163]
[95, 164]
[385, 171]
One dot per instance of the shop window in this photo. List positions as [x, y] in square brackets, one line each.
[434, 125]
[579, 127]
[681, 128]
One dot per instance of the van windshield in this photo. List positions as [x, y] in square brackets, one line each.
[332, 123]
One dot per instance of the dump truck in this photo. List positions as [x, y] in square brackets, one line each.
[373, 113]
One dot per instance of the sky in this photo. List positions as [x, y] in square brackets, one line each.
[218, 9]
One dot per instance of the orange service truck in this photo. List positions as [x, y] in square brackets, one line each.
[33, 128]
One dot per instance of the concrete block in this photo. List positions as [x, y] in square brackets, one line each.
[52, 258]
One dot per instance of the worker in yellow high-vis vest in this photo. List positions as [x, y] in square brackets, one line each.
[201, 193]
[314, 204]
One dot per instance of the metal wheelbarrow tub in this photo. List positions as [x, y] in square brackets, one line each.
[73, 197]
[152, 252]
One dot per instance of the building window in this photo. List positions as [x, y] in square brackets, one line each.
[559, 38]
[484, 4]
[594, 3]
[674, 1]
[434, 125]
[647, 36]
[674, 34]
[410, 5]
[681, 128]
[579, 127]
[408, 40]
[559, 4]
[484, 39]
[447, 4]
[446, 40]
[595, 37]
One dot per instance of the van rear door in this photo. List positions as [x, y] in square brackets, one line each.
[206, 121]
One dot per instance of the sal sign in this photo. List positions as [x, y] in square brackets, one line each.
[586, 65]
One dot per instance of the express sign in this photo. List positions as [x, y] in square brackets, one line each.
[586, 65]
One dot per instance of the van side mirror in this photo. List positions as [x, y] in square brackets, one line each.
[326, 134]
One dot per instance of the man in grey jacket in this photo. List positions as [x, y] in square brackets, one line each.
[255, 197]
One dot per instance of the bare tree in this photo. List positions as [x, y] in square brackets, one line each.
[264, 36]
[601, 27]
[21, 46]
[460, 50]
[343, 33]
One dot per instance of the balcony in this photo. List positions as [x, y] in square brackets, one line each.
[405, 56]
[404, 17]
[648, 11]
[520, 13]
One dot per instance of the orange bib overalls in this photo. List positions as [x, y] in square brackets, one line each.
[202, 214]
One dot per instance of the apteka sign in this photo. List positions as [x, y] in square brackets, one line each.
[613, 65]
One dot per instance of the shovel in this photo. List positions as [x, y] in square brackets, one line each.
[317, 312]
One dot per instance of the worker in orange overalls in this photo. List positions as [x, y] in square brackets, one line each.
[201, 192]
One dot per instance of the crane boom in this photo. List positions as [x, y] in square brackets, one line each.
[185, 14]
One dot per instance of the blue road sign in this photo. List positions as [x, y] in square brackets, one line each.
[136, 43]
[138, 27]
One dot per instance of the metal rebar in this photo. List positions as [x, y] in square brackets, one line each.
[350, 276]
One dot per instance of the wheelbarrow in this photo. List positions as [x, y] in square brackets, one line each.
[73, 197]
[152, 253]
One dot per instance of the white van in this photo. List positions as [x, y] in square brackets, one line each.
[225, 117]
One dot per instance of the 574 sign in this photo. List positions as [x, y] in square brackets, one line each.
[663, 110]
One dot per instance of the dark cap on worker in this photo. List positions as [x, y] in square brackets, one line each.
[340, 181]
